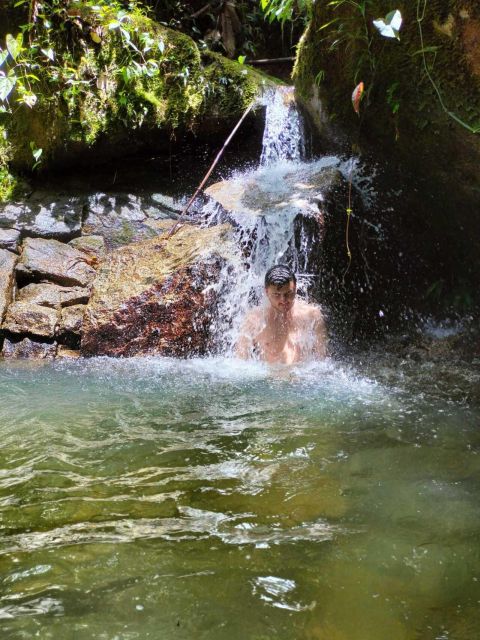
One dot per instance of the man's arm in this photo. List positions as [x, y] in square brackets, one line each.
[244, 345]
[320, 335]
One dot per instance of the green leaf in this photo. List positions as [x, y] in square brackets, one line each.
[327, 24]
[14, 45]
[37, 153]
[29, 98]
[241, 59]
[3, 57]
[7, 84]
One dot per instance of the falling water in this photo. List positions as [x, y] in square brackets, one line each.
[262, 205]
[283, 137]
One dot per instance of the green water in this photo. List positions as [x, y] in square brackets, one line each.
[216, 500]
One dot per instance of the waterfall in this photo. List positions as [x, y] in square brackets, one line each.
[262, 205]
[283, 137]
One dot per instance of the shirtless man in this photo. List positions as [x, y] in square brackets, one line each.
[287, 330]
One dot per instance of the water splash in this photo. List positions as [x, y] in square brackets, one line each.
[267, 207]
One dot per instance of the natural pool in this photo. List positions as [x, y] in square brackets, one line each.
[213, 499]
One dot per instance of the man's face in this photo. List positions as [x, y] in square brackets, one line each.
[282, 297]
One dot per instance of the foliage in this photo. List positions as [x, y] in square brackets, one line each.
[87, 68]
[353, 27]
[286, 10]
[7, 181]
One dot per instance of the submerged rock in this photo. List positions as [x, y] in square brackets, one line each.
[7, 278]
[157, 296]
[55, 261]
[28, 348]
[65, 352]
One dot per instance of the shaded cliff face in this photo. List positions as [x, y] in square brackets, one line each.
[426, 161]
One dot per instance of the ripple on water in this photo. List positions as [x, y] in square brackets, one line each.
[215, 485]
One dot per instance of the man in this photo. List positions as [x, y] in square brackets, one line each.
[287, 330]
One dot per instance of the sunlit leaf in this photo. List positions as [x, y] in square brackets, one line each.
[7, 84]
[3, 57]
[389, 26]
[357, 96]
[241, 59]
[95, 36]
[29, 98]
[14, 45]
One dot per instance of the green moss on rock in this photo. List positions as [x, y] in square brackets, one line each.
[119, 72]
[230, 86]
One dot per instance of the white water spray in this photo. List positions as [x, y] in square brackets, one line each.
[267, 207]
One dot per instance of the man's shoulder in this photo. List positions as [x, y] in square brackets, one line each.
[310, 311]
[254, 315]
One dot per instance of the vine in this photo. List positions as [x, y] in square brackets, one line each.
[419, 18]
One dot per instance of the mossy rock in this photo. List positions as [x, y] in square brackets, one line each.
[425, 144]
[116, 79]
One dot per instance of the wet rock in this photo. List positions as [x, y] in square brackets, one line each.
[7, 271]
[124, 218]
[92, 246]
[299, 189]
[32, 319]
[52, 295]
[65, 352]
[9, 239]
[27, 348]
[44, 216]
[55, 261]
[72, 319]
[158, 296]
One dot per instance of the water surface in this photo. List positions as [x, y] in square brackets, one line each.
[214, 499]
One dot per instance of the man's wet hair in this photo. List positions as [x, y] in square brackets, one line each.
[279, 275]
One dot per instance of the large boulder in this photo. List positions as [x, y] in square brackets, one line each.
[55, 261]
[7, 279]
[143, 77]
[120, 219]
[157, 296]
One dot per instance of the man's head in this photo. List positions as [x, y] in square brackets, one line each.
[281, 287]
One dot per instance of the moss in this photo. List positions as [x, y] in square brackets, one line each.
[230, 86]
[8, 183]
[399, 97]
[93, 90]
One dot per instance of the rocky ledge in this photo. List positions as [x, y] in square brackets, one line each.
[120, 286]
